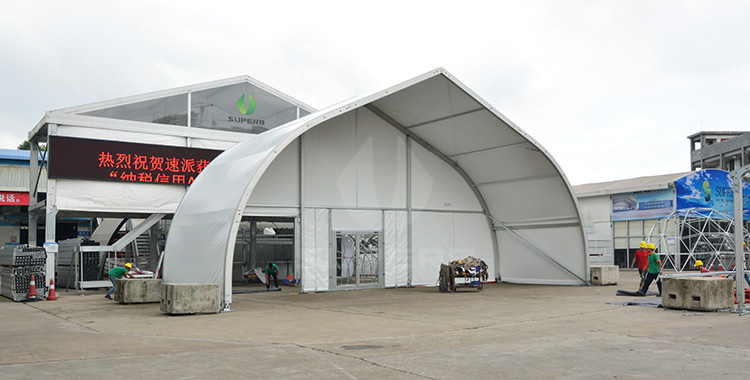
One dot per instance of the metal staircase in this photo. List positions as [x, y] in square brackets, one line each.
[142, 250]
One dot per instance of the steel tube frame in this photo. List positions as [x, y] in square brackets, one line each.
[738, 177]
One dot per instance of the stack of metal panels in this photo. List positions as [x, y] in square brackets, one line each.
[66, 276]
[17, 265]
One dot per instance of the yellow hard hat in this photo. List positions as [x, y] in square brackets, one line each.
[698, 263]
[128, 265]
[651, 246]
[643, 244]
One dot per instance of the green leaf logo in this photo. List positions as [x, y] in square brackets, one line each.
[249, 108]
[707, 191]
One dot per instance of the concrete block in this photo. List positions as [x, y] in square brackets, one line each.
[138, 290]
[605, 274]
[697, 293]
[190, 298]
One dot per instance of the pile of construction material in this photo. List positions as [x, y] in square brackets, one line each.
[471, 269]
[18, 264]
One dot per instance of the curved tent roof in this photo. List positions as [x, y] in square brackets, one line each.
[528, 201]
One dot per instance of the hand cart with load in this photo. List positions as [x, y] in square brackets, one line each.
[469, 272]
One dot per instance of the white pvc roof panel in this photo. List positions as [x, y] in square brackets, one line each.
[466, 133]
[426, 102]
[509, 164]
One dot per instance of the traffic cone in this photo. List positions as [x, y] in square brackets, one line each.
[52, 296]
[32, 289]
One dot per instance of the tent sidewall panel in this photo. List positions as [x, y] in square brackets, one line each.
[522, 263]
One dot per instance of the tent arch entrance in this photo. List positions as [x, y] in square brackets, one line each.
[513, 179]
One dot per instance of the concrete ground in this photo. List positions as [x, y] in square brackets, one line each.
[505, 331]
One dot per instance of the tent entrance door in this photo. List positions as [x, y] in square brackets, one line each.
[358, 259]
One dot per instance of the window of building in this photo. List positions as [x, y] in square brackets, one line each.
[628, 235]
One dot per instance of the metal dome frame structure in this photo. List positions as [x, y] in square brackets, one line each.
[695, 234]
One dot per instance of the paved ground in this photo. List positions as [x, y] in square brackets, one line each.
[505, 331]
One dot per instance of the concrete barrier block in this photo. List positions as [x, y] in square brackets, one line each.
[137, 290]
[697, 293]
[605, 274]
[190, 298]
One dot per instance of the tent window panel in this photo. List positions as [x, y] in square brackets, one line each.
[621, 243]
[240, 107]
[621, 228]
[171, 110]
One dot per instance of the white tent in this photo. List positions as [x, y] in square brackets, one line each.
[202, 116]
[427, 170]
[134, 157]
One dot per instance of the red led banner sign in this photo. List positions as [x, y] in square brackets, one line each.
[125, 162]
[14, 198]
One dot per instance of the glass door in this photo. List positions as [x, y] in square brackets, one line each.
[358, 259]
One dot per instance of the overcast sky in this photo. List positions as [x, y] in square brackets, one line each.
[610, 88]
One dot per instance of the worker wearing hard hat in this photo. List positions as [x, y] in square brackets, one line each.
[641, 256]
[654, 269]
[272, 271]
[700, 267]
[118, 272]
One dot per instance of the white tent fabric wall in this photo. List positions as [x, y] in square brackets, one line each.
[437, 186]
[316, 256]
[395, 247]
[356, 220]
[440, 237]
[355, 161]
[469, 165]
[101, 132]
[540, 211]
[280, 185]
[114, 197]
[519, 265]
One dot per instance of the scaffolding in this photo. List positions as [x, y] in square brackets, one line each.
[696, 234]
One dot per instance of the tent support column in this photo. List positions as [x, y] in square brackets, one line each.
[299, 246]
[738, 177]
[35, 207]
[50, 232]
[153, 243]
[409, 254]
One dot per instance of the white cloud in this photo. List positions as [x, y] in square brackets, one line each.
[611, 89]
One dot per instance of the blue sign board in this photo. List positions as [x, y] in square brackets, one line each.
[642, 205]
[712, 189]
